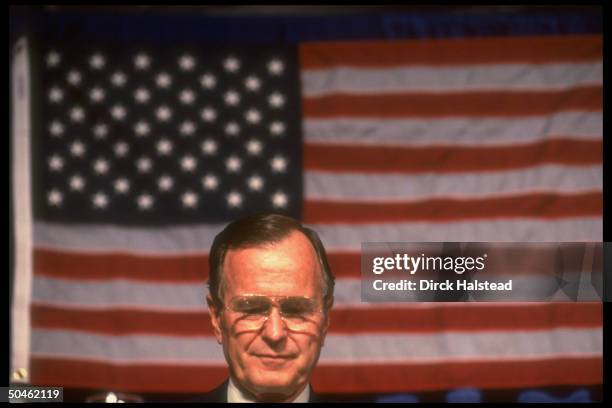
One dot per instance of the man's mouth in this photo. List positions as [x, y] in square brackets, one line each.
[274, 360]
[274, 356]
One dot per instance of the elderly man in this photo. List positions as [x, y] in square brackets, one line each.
[271, 290]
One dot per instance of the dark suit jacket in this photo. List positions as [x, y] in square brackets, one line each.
[219, 394]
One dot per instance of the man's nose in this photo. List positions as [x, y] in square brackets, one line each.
[274, 329]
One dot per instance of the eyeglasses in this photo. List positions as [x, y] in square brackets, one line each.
[298, 312]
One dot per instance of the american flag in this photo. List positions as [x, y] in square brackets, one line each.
[141, 153]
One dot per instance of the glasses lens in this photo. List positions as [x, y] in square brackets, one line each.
[251, 307]
[297, 312]
[297, 307]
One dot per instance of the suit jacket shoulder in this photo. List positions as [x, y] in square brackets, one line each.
[218, 394]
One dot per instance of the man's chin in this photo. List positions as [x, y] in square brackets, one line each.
[279, 392]
[272, 384]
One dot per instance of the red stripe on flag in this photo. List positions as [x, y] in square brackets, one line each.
[449, 375]
[472, 104]
[539, 205]
[326, 379]
[123, 322]
[446, 159]
[170, 269]
[107, 266]
[347, 321]
[191, 269]
[388, 54]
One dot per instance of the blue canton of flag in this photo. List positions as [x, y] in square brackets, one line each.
[170, 135]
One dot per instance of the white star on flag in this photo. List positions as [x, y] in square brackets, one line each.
[77, 183]
[77, 114]
[142, 128]
[142, 61]
[145, 201]
[118, 112]
[56, 128]
[277, 128]
[187, 62]
[276, 100]
[232, 98]
[142, 95]
[253, 116]
[188, 163]
[144, 164]
[232, 128]
[163, 113]
[164, 147]
[163, 80]
[208, 114]
[233, 164]
[97, 61]
[254, 147]
[74, 77]
[208, 81]
[56, 163]
[96, 94]
[255, 183]
[100, 200]
[56, 95]
[252, 83]
[187, 128]
[279, 200]
[165, 183]
[278, 164]
[121, 148]
[122, 185]
[55, 198]
[231, 64]
[53, 59]
[101, 166]
[209, 147]
[118, 79]
[100, 131]
[234, 199]
[189, 199]
[276, 67]
[210, 182]
[77, 148]
[187, 96]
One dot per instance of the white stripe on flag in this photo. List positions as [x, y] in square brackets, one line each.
[343, 349]
[346, 237]
[108, 238]
[333, 186]
[349, 237]
[464, 78]
[476, 132]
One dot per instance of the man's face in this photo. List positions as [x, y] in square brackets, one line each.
[272, 362]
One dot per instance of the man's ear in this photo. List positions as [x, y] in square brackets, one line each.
[215, 318]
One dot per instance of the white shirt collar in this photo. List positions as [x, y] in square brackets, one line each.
[235, 395]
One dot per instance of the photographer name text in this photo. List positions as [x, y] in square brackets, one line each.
[448, 285]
